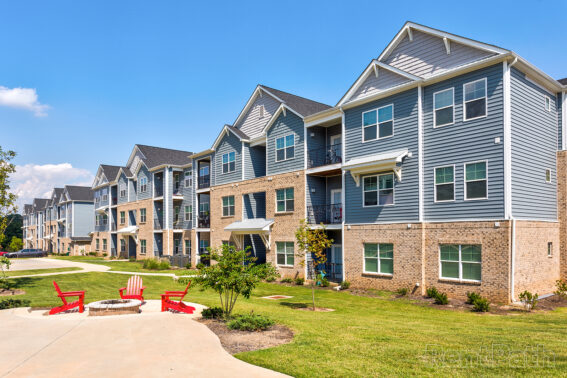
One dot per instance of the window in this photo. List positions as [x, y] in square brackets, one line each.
[142, 247]
[285, 148]
[104, 219]
[261, 111]
[228, 206]
[97, 220]
[444, 107]
[284, 200]
[176, 210]
[379, 258]
[122, 190]
[378, 123]
[475, 181]
[104, 195]
[547, 104]
[204, 170]
[188, 179]
[177, 246]
[188, 213]
[379, 190]
[143, 215]
[97, 244]
[474, 99]
[143, 185]
[284, 253]
[122, 245]
[548, 175]
[228, 164]
[445, 184]
[104, 244]
[462, 262]
[187, 246]
[122, 217]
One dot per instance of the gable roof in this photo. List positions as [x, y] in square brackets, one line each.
[237, 132]
[301, 105]
[79, 193]
[156, 156]
[563, 81]
[55, 196]
[40, 203]
[110, 171]
[28, 208]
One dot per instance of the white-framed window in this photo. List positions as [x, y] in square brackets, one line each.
[378, 123]
[547, 104]
[378, 190]
[445, 183]
[444, 107]
[97, 244]
[188, 213]
[188, 179]
[548, 175]
[105, 194]
[228, 206]
[143, 185]
[187, 246]
[284, 200]
[104, 244]
[142, 247]
[122, 190]
[122, 245]
[460, 261]
[474, 100]
[285, 148]
[177, 247]
[379, 258]
[97, 220]
[104, 219]
[284, 253]
[143, 215]
[549, 249]
[228, 162]
[476, 180]
[122, 217]
[176, 211]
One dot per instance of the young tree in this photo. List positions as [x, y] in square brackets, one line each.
[314, 242]
[235, 273]
[7, 199]
[16, 244]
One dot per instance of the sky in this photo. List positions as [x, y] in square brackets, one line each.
[82, 82]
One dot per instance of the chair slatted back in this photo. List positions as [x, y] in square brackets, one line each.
[134, 285]
[185, 292]
[59, 293]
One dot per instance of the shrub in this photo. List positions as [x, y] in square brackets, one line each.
[151, 264]
[529, 300]
[299, 281]
[188, 265]
[324, 282]
[13, 303]
[92, 253]
[286, 280]
[270, 279]
[481, 304]
[431, 292]
[345, 285]
[212, 313]
[403, 291]
[472, 297]
[561, 288]
[104, 254]
[250, 322]
[441, 299]
[164, 265]
[132, 259]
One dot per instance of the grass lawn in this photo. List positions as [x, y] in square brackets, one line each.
[123, 266]
[364, 336]
[11, 273]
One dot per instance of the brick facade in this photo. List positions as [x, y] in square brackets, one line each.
[562, 210]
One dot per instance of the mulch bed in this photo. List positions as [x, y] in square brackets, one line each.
[235, 341]
[8, 292]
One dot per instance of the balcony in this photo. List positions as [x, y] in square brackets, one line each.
[158, 224]
[204, 221]
[158, 191]
[326, 214]
[113, 227]
[204, 181]
[319, 157]
[114, 201]
[178, 189]
[178, 224]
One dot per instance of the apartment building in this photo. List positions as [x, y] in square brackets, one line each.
[145, 208]
[51, 223]
[75, 222]
[28, 228]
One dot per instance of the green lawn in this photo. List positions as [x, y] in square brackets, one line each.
[364, 336]
[11, 273]
[123, 266]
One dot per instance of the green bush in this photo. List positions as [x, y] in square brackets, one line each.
[529, 300]
[286, 280]
[188, 265]
[481, 304]
[13, 303]
[441, 299]
[151, 264]
[472, 297]
[431, 292]
[164, 265]
[92, 253]
[345, 285]
[561, 288]
[104, 254]
[299, 281]
[403, 291]
[212, 313]
[132, 259]
[270, 279]
[250, 322]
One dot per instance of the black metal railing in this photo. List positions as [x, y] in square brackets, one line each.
[333, 271]
[114, 200]
[158, 224]
[158, 190]
[326, 214]
[324, 156]
[178, 224]
[178, 189]
[204, 181]
[204, 221]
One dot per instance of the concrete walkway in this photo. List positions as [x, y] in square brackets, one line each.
[150, 344]
[43, 263]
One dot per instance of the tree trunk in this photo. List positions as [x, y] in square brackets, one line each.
[313, 295]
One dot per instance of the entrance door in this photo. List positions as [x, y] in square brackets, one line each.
[335, 148]
[131, 247]
[336, 207]
[337, 262]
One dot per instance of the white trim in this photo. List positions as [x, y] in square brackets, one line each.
[281, 108]
[242, 160]
[435, 183]
[435, 126]
[378, 137]
[378, 266]
[465, 180]
[285, 152]
[222, 163]
[460, 263]
[420, 152]
[507, 142]
[550, 175]
[225, 130]
[378, 190]
[286, 211]
[286, 265]
[564, 120]
[257, 92]
[547, 103]
[485, 100]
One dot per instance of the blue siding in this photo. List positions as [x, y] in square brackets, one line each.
[254, 161]
[559, 121]
[229, 143]
[84, 221]
[187, 201]
[465, 142]
[144, 173]
[254, 205]
[406, 195]
[316, 190]
[333, 182]
[132, 189]
[534, 146]
[285, 125]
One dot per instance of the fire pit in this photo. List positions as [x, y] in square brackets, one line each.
[114, 307]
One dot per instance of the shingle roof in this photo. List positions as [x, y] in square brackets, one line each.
[28, 209]
[238, 132]
[40, 203]
[79, 193]
[302, 105]
[57, 195]
[156, 156]
[563, 81]
[110, 171]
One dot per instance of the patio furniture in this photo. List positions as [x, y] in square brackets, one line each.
[134, 289]
[176, 305]
[66, 305]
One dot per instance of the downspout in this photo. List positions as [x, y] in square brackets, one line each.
[343, 192]
[508, 164]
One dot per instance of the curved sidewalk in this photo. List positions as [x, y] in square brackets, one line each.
[43, 263]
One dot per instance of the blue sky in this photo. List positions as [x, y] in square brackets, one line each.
[171, 73]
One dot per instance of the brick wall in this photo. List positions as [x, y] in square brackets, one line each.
[562, 210]
[145, 230]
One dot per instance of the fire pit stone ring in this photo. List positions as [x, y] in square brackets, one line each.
[114, 307]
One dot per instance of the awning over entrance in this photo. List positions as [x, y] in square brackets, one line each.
[131, 231]
[385, 161]
[259, 226]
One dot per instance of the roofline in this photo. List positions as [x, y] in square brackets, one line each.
[199, 154]
[280, 109]
[170, 165]
[133, 153]
[250, 101]
[225, 130]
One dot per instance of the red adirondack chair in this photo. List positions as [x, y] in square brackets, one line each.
[178, 305]
[134, 289]
[66, 305]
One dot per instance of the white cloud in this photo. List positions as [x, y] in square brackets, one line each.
[22, 98]
[37, 181]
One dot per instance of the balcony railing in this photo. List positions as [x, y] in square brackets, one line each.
[204, 221]
[333, 271]
[178, 189]
[204, 181]
[324, 156]
[326, 214]
[114, 200]
[158, 190]
[178, 224]
[113, 227]
[158, 224]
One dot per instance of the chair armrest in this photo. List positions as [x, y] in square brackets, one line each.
[175, 295]
[122, 289]
[174, 292]
[72, 294]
